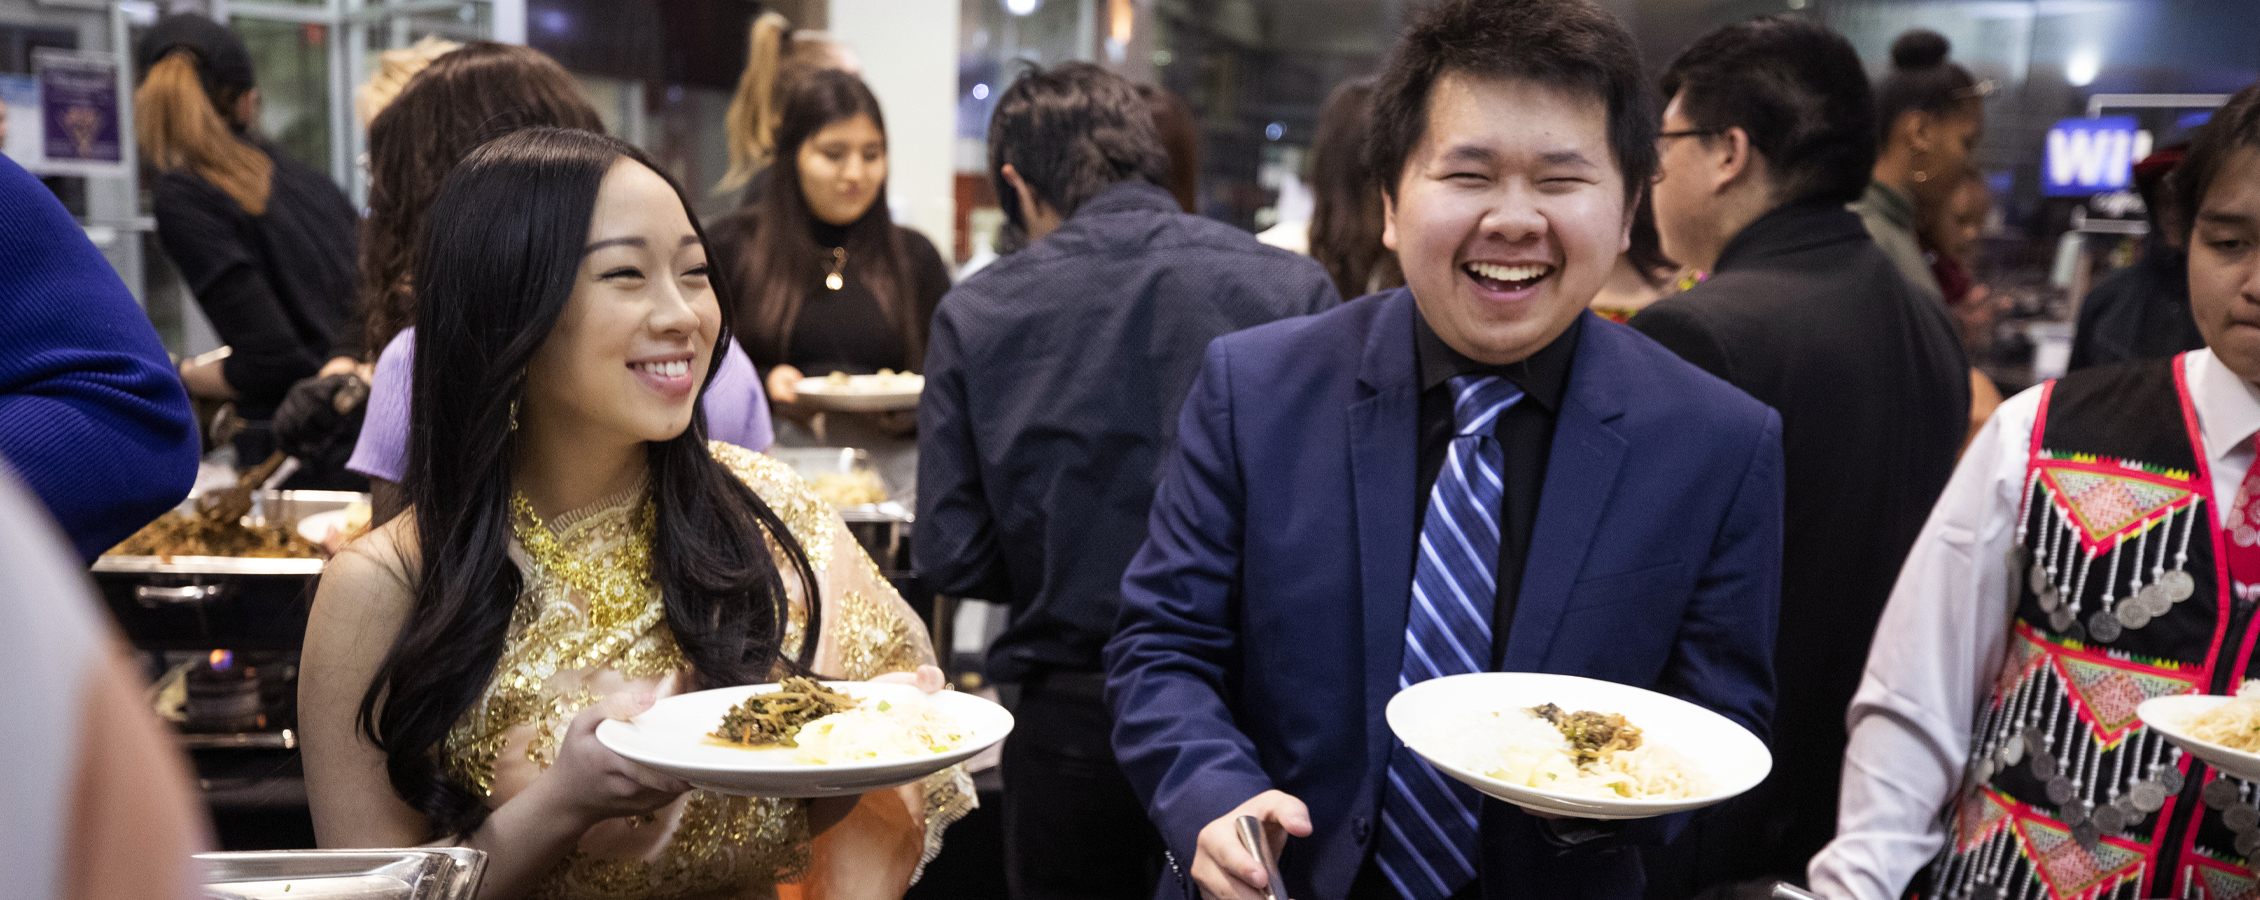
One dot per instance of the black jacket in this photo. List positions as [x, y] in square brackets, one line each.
[1808, 315]
[278, 286]
[2139, 312]
[1053, 384]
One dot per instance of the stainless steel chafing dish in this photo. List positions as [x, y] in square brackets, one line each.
[882, 528]
[443, 873]
[199, 602]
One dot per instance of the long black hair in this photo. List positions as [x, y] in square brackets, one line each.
[495, 269]
[783, 263]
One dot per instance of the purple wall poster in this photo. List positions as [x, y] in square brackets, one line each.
[78, 100]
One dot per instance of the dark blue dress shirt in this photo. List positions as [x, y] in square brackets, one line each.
[1053, 382]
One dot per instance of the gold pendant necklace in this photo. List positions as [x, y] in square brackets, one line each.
[832, 279]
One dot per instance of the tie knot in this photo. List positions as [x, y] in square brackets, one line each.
[1477, 401]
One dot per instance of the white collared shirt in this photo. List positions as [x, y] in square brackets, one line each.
[1942, 637]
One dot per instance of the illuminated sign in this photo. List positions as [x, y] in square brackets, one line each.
[2089, 156]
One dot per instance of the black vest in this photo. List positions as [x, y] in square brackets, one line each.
[2120, 597]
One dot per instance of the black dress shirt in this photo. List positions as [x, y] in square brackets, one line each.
[1525, 432]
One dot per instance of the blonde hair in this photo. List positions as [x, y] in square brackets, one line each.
[177, 126]
[752, 119]
[394, 68]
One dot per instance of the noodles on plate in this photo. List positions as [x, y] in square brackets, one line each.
[2235, 724]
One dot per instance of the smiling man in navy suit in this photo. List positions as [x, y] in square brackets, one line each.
[1468, 474]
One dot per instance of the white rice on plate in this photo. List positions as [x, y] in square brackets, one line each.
[876, 731]
[1522, 749]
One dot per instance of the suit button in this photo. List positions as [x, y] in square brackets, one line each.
[1361, 829]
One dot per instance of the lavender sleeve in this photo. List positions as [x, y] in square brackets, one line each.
[737, 410]
[382, 450]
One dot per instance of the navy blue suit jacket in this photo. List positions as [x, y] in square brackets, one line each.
[1263, 623]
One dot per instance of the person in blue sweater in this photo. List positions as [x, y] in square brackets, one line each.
[91, 415]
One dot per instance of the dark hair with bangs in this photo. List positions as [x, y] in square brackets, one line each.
[2235, 126]
[1070, 133]
[1797, 89]
[495, 269]
[1567, 44]
[773, 249]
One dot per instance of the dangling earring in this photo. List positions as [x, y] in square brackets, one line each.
[513, 414]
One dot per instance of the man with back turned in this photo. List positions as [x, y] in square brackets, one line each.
[1767, 132]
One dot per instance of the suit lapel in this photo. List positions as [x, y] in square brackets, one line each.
[1581, 477]
[1384, 440]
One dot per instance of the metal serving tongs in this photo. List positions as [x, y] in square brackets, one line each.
[1251, 837]
[228, 505]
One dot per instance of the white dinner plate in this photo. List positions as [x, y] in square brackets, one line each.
[317, 527]
[1426, 714]
[671, 737]
[2170, 716]
[861, 395]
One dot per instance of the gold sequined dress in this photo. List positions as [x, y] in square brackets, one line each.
[567, 648]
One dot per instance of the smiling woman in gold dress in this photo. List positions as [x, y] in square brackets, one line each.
[574, 549]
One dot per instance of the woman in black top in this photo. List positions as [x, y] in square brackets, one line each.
[265, 243]
[824, 280]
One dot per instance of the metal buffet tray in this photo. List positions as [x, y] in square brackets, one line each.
[200, 602]
[443, 873]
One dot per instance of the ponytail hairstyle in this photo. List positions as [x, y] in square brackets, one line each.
[495, 269]
[784, 260]
[752, 118]
[178, 127]
[1921, 80]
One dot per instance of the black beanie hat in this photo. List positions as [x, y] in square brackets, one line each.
[222, 62]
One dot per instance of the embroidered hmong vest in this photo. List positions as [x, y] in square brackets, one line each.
[2120, 598]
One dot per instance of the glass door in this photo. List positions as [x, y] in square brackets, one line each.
[312, 55]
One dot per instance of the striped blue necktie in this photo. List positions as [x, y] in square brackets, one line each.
[1428, 820]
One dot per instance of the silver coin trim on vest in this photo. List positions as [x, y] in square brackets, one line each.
[2219, 793]
[2178, 584]
[2109, 819]
[2103, 626]
[2147, 796]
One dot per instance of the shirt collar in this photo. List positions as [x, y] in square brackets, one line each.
[1543, 376]
[1790, 228]
[2228, 407]
[1133, 194]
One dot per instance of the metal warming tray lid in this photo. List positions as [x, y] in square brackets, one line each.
[444, 873]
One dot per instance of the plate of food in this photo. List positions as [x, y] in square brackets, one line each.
[1577, 747]
[806, 738]
[886, 391]
[2222, 731]
[335, 528]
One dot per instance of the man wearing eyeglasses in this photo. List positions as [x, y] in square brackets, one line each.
[1769, 131]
